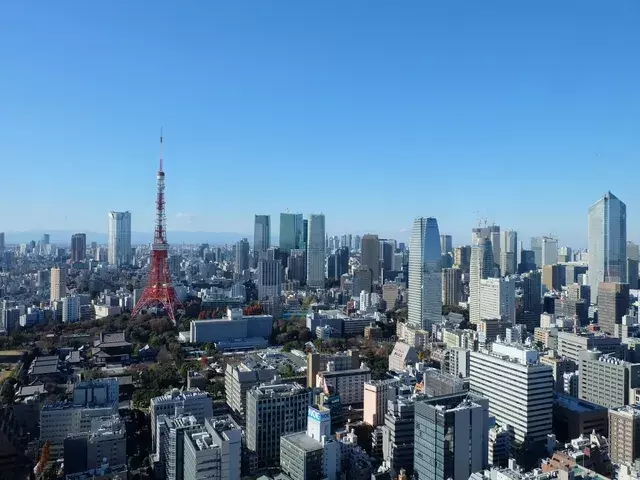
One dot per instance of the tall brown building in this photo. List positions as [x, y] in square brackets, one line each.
[624, 433]
[462, 257]
[613, 303]
[553, 276]
[451, 286]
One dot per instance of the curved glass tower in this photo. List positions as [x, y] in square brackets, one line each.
[425, 274]
[607, 242]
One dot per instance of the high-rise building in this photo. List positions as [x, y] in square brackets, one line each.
[451, 286]
[70, 309]
[269, 279]
[509, 253]
[481, 267]
[446, 243]
[261, 236]
[445, 425]
[341, 262]
[189, 402]
[58, 283]
[462, 257]
[370, 255]
[242, 256]
[519, 388]
[613, 303]
[119, 238]
[387, 251]
[536, 248]
[607, 239]
[553, 277]
[425, 275]
[78, 247]
[624, 434]
[532, 292]
[606, 380]
[498, 299]
[297, 265]
[1, 241]
[362, 280]
[527, 261]
[315, 250]
[549, 251]
[274, 411]
[290, 231]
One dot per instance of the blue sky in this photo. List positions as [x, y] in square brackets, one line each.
[372, 112]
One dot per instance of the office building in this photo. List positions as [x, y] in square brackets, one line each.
[119, 245]
[341, 262]
[402, 356]
[297, 265]
[425, 275]
[456, 362]
[606, 380]
[553, 277]
[481, 267]
[451, 436]
[446, 244]
[519, 388]
[172, 430]
[234, 331]
[214, 452]
[451, 286]
[91, 400]
[462, 257]
[509, 253]
[498, 299]
[376, 395]
[269, 279]
[318, 362]
[315, 250]
[242, 256]
[242, 377]
[573, 417]
[58, 283]
[362, 280]
[274, 411]
[290, 231]
[532, 292]
[607, 237]
[549, 251]
[261, 237]
[189, 402]
[632, 273]
[370, 255]
[78, 247]
[2, 244]
[613, 303]
[624, 434]
[349, 384]
[570, 345]
[387, 252]
[527, 261]
[105, 441]
[536, 248]
[398, 431]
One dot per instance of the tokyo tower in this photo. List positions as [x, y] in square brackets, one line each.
[159, 290]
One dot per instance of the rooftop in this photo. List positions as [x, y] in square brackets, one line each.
[177, 395]
[631, 410]
[303, 442]
[575, 404]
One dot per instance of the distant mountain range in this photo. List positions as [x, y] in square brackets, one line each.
[63, 237]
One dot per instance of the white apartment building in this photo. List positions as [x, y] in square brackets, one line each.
[519, 388]
[498, 299]
[119, 238]
[315, 250]
[58, 283]
[70, 309]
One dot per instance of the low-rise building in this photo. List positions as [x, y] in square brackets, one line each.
[573, 417]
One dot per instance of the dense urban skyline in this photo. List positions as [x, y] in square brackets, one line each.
[397, 95]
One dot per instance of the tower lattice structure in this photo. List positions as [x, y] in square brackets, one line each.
[159, 290]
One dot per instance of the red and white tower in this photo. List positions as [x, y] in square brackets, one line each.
[159, 290]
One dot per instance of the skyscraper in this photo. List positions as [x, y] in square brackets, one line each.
[549, 251]
[536, 248]
[462, 257]
[269, 278]
[509, 253]
[481, 267]
[451, 286]
[425, 274]
[370, 255]
[607, 242]
[1, 241]
[119, 238]
[242, 256]
[78, 247]
[261, 236]
[341, 262]
[290, 231]
[58, 283]
[446, 244]
[315, 250]
[613, 304]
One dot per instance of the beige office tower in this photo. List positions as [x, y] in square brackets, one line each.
[58, 283]
[624, 434]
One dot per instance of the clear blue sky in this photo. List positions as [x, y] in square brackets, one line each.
[372, 112]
